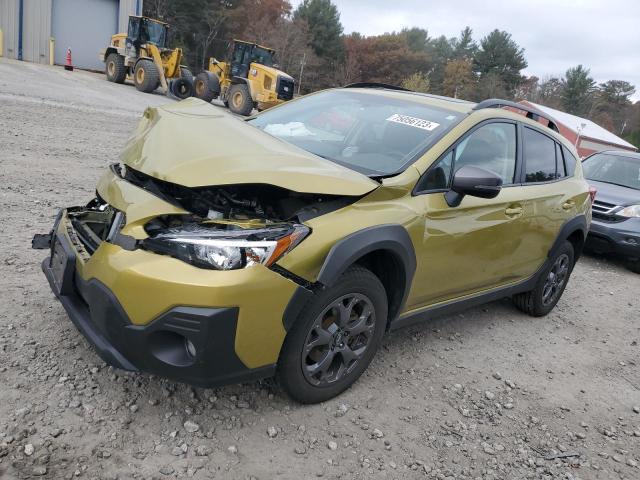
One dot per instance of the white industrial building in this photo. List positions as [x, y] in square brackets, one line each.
[41, 30]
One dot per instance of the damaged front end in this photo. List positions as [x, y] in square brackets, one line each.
[89, 226]
[210, 190]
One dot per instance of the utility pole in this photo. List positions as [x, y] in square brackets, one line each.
[302, 62]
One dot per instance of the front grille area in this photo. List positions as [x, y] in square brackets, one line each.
[603, 207]
[92, 225]
[284, 88]
[604, 211]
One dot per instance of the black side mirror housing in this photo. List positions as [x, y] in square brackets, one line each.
[474, 181]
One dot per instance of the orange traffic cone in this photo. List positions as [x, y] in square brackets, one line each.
[68, 65]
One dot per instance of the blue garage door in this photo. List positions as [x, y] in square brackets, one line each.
[86, 27]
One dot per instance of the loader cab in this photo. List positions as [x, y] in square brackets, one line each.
[243, 54]
[143, 30]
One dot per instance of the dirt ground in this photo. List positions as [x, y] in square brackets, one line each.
[487, 394]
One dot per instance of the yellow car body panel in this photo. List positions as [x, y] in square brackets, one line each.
[147, 285]
[481, 245]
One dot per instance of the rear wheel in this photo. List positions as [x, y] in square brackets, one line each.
[240, 101]
[206, 86]
[335, 338]
[146, 76]
[550, 286]
[116, 71]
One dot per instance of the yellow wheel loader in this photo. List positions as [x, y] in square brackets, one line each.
[249, 80]
[141, 55]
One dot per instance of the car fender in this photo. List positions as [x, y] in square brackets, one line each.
[392, 238]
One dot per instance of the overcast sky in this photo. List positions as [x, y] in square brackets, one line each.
[603, 35]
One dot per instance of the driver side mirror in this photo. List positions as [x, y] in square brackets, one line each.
[473, 181]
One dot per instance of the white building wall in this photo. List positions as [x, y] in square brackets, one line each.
[9, 26]
[128, 7]
[36, 30]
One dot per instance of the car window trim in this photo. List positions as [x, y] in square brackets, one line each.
[523, 181]
[415, 192]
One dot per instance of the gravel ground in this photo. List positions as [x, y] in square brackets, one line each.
[487, 394]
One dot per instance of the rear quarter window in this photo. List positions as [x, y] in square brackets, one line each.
[569, 161]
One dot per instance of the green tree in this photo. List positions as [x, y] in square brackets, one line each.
[502, 58]
[459, 79]
[417, 39]
[613, 99]
[550, 92]
[578, 90]
[325, 28]
[441, 51]
[417, 82]
[465, 46]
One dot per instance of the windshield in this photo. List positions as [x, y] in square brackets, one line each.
[373, 134]
[609, 168]
[262, 56]
[155, 33]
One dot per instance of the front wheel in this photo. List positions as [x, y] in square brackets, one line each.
[240, 101]
[550, 286]
[634, 265]
[335, 338]
[146, 77]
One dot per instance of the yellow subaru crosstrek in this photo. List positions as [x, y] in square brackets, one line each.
[222, 250]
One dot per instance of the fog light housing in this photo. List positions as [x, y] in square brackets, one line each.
[191, 348]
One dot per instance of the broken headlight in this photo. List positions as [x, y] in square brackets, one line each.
[221, 247]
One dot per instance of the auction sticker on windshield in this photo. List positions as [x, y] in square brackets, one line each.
[413, 122]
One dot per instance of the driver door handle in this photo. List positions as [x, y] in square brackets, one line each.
[513, 211]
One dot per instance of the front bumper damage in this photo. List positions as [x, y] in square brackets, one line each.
[198, 331]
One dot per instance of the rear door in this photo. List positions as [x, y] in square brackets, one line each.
[547, 198]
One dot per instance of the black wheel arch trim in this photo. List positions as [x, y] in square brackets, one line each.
[392, 238]
[576, 224]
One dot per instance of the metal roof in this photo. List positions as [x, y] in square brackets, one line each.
[586, 128]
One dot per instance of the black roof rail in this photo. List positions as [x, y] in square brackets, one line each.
[376, 85]
[532, 112]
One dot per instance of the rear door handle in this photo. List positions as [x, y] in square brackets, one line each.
[513, 211]
[568, 205]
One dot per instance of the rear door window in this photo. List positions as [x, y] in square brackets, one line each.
[539, 157]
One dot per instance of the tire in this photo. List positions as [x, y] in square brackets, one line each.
[355, 341]
[207, 86]
[239, 98]
[116, 71]
[182, 88]
[186, 73]
[146, 76]
[634, 265]
[550, 285]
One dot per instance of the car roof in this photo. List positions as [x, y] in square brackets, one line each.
[465, 106]
[462, 106]
[620, 153]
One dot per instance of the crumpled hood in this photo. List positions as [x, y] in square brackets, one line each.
[195, 144]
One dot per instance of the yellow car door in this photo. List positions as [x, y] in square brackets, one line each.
[479, 244]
